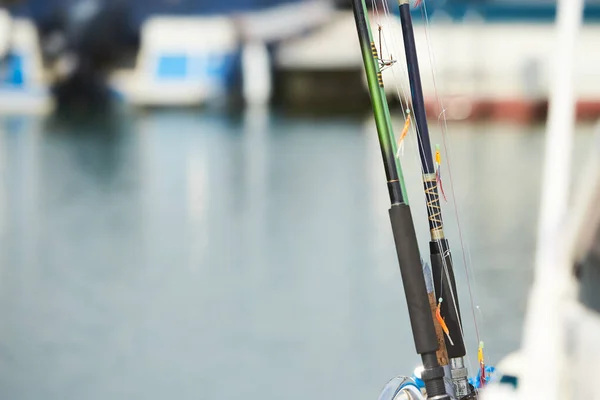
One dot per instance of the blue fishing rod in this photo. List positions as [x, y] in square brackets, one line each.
[441, 259]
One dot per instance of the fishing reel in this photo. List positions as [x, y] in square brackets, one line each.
[413, 388]
[405, 388]
[402, 388]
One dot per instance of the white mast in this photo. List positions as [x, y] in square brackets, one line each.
[544, 338]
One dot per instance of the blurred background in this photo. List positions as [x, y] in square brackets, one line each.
[193, 204]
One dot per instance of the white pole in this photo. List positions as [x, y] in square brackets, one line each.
[543, 344]
[561, 121]
[256, 71]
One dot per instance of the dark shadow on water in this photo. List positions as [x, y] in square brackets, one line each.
[83, 96]
[95, 140]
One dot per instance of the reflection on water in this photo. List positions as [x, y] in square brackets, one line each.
[174, 255]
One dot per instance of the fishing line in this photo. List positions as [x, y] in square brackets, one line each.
[410, 110]
[443, 123]
[465, 248]
[439, 296]
[399, 86]
[395, 48]
[414, 128]
[430, 207]
[442, 115]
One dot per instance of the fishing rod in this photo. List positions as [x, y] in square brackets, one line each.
[407, 249]
[441, 259]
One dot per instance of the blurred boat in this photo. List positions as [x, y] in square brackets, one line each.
[185, 54]
[197, 60]
[182, 61]
[23, 84]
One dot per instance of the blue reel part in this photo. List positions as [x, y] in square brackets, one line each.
[489, 372]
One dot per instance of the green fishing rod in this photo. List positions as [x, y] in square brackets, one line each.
[403, 229]
[441, 259]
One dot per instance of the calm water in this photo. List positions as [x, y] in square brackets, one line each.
[182, 256]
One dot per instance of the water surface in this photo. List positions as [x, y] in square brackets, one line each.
[179, 255]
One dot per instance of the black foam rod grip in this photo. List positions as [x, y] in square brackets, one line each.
[413, 280]
[445, 285]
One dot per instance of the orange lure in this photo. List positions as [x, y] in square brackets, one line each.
[440, 319]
